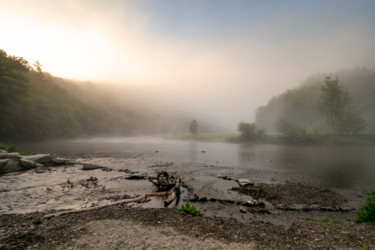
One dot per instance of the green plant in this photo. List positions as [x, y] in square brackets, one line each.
[8, 148]
[250, 132]
[189, 210]
[27, 165]
[364, 247]
[366, 212]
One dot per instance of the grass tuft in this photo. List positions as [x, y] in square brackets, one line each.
[366, 212]
[189, 210]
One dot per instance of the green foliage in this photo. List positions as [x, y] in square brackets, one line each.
[299, 105]
[35, 105]
[189, 210]
[27, 165]
[193, 127]
[8, 148]
[293, 133]
[250, 132]
[366, 212]
[335, 103]
[364, 247]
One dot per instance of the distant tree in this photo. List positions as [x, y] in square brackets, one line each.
[193, 128]
[335, 103]
[37, 66]
[249, 131]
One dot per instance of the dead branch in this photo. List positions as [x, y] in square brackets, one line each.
[171, 192]
[174, 192]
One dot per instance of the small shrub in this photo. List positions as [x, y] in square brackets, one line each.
[364, 247]
[27, 165]
[8, 148]
[366, 211]
[189, 210]
[12, 149]
[293, 133]
[250, 132]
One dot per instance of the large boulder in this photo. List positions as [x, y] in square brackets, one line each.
[39, 158]
[3, 163]
[7, 155]
[12, 164]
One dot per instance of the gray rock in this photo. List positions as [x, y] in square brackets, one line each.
[245, 182]
[61, 162]
[3, 151]
[88, 167]
[3, 162]
[39, 158]
[9, 155]
[13, 165]
[40, 170]
[243, 209]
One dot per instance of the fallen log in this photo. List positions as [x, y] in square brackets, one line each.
[173, 192]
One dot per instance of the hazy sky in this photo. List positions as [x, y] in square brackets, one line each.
[217, 59]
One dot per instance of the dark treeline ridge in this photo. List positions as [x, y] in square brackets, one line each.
[300, 105]
[35, 105]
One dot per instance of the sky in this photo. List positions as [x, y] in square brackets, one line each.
[213, 59]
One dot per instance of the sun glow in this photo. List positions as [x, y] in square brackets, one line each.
[86, 53]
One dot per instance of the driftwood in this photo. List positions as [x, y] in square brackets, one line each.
[163, 181]
[174, 192]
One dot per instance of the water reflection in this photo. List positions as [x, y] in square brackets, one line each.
[193, 151]
[342, 174]
[334, 166]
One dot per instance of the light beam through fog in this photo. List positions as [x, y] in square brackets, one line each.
[215, 60]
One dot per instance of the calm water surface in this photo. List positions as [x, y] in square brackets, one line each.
[347, 167]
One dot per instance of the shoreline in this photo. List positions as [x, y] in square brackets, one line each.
[329, 224]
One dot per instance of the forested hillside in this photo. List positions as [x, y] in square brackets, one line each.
[300, 105]
[35, 105]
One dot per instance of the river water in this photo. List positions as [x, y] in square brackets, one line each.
[343, 167]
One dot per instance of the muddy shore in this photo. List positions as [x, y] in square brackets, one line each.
[296, 214]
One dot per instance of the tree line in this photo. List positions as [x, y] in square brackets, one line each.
[343, 105]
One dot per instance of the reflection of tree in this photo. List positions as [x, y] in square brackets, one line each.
[341, 174]
[193, 151]
[246, 153]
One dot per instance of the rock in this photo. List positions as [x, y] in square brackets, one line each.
[93, 167]
[3, 151]
[224, 177]
[39, 158]
[202, 198]
[10, 165]
[193, 197]
[89, 183]
[243, 209]
[61, 162]
[40, 170]
[250, 203]
[3, 162]
[245, 182]
[9, 155]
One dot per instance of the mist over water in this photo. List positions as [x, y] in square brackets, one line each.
[216, 61]
[344, 167]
